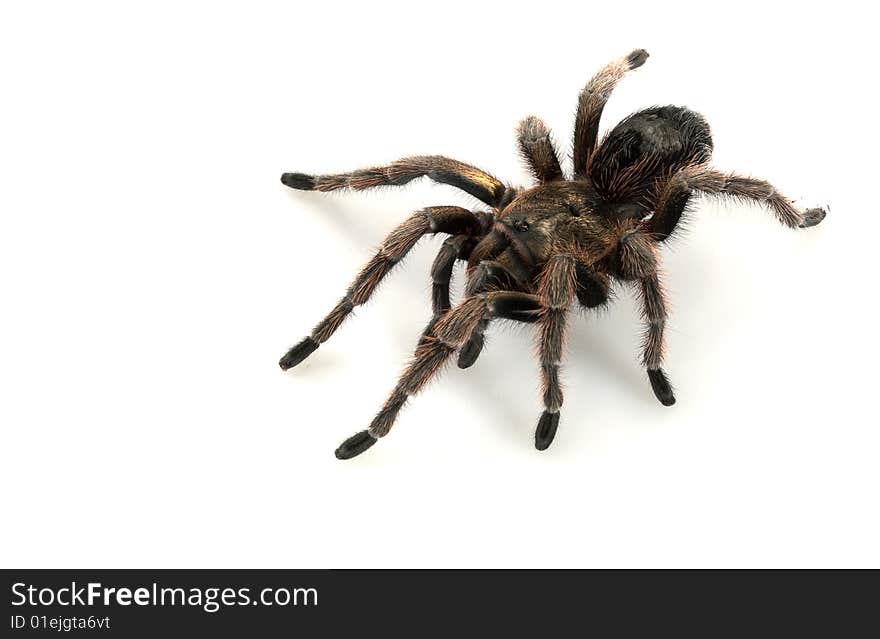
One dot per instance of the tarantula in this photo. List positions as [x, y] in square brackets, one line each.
[540, 249]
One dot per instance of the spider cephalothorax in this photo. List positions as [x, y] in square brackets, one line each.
[537, 251]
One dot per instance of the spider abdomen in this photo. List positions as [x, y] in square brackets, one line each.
[646, 147]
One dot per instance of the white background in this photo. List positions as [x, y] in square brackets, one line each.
[154, 270]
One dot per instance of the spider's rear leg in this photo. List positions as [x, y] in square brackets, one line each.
[436, 219]
[433, 352]
[677, 192]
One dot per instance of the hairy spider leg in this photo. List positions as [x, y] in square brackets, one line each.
[591, 102]
[537, 149]
[675, 196]
[557, 290]
[654, 315]
[469, 179]
[435, 219]
[434, 351]
[639, 261]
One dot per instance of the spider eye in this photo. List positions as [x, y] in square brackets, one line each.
[521, 225]
[574, 210]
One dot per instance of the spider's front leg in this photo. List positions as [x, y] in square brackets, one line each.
[434, 351]
[558, 286]
[436, 219]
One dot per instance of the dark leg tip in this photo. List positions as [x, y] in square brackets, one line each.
[470, 352]
[355, 445]
[661, 386]
[298, 353]
[637, 58]
[813, 216]
[299, 181]
[591, 292]
[546, 430]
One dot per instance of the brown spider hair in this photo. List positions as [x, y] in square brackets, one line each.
[537, 250]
